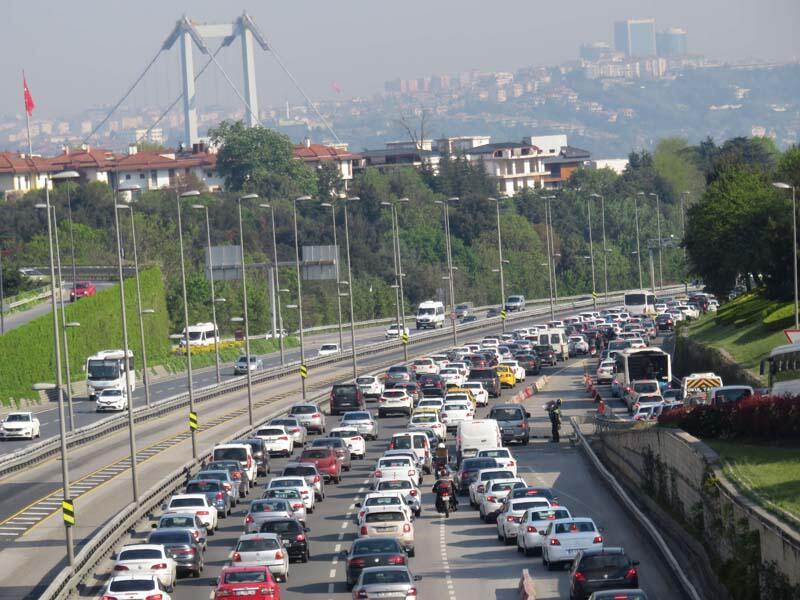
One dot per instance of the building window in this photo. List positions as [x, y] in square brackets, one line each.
[141, 175]
[498, 154]
[171, 173]
[526, 151]
[209, 173]
[127, 176]
[154, 177]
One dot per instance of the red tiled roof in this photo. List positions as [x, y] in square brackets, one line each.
[91, 158]
[317, 152]
[14, 163]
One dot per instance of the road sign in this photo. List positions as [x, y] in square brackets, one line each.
[793, 335]
[193, 421]
[68, 511]
[404, 337]
[303, 371]
[503, 314]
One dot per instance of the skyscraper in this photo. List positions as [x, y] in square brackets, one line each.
[635, 37]
[671, 42]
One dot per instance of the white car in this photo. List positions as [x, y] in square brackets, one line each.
[395, 400]
[533, 521]
[389, 521]
[490, 342]
[262, 549]
[462, 367]
[491, 500]
[480, 393]
[406, 487]
[431, 403]
[478, 485]
[277, 440]
[510, 517]
[393, 331]
[307, 493]
[452, 377]
[197, 504]
[328, 349]
[502, 456]
[353, 439]
[605, 372]
[441, 360]
[519, 372]
[456, 411]
[426, 366]
[370, 386]
[428, 420]
[136, 587]
[20, 425]
[373, 500]
[563, 538]
[578, 345]
[294, 428]
[112, 399]
[147, 559]
[395, 467]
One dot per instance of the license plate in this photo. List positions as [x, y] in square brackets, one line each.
[245, 592]
[384, 528]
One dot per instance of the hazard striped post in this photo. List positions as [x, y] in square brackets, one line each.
[193, 422]
[303, 371]
[68, 512]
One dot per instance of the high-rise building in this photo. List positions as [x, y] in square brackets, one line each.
[595, 51]
[635, 37]
[671, 42]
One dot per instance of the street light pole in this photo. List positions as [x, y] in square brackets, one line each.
[303, 368]
[246, 317]
[277, 279]
[351, 286]
[658, 224]
[500, 266]
[126, 359]
[552, 249]
[638, 247]
[605, 250]
[203, 207]
[400, 301]
[786, 186]
[591, 248]
[683, 219]
[549, 256]
[187, 346]
[59, 390]
[338, 297]
[450, 269]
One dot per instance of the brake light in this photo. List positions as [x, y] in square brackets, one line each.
[294, 429]
[411, 592]
[509, 519]
[358, 562]
[159, 566]
[316, 416]
[364, 530]
[406, 528]
[267, 591]
[531, 529]
[297, 506]
[304, 492]
[279, 555]
[598, 539]
[554, 542]
[219, 496]
[236, 557]
[109, 598]
[413, 492]
[248, 519]
[284, 437]
[397, 560]
[579, 577]
[154, 597]
[524, 425]
[316, 478]
[202, 513]
[491, 499]
[631, 573]
[412, 472]
[362, 595]
[511, 463]
[300, 537]
[121, 568]
[196, 534]
[377, 474]
[249, 461]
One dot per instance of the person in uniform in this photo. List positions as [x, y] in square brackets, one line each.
[555, 419]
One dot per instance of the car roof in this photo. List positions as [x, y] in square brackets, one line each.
[188, 496]
[256, 536]
[144, 546]
[604, 550]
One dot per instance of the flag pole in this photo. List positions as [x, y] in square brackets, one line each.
[27, 117]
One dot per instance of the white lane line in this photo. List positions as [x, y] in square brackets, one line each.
[340, 536]
[344, 525]
[331, 586]
[9, 528]
[337, 548]
[335, 561]
[332, 574]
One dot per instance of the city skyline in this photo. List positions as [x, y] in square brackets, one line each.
[372, 44]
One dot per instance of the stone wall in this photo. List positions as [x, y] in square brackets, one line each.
[704, 358]
[684, 476]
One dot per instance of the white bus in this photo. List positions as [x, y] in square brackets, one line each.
[200, 334]
[783, 375]
[634, 364]
[106, 369]
[640, 302]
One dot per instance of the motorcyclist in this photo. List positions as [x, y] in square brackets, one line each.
[444, 483]
[440, 457]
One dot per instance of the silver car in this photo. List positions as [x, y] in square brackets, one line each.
[294, 427]
[363, 421]
[386, 582]
[263, 549]
[267, 509]
[240, 366]
[188, 521]
[292, 496]
[310, 416]
[308, 472]
[232, 486]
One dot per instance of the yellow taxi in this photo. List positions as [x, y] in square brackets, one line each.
[506, 376]
[460, 393]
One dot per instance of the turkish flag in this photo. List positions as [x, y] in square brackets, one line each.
[29, 105]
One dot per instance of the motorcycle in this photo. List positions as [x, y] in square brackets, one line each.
[443, 503]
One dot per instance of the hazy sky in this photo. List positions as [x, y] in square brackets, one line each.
[86, 52]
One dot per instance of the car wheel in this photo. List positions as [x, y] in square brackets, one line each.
[411, 552]
[544, 560]
[500, 536]
[196, 573]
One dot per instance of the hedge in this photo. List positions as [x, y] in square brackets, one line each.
[26, 353]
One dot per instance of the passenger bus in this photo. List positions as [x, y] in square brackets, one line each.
[640, 302]
[106, 369]
[783, 374]
[634, 364]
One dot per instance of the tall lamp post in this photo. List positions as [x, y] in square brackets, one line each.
[605, 250]
[187, 346]
[204, 208]
[338, 279]
[550, 262]
[638, 246]
[501, 261]
[658, 225]
[591, 247]
[246, 317]
[786, 186]
[684, 202]
[350, 284]
[303, 368]
[398, 272]
[450, 268]
[126, 360]
[70, 175]
[277, 279]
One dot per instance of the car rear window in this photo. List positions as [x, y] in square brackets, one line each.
[395, 462]
[375, 546]
[357, 416]
[268, 506]
[496, 475]
[400, 484]
[303, 410]
[288, 493]
[384, 517]
[180, 502]
[320, 453]
[475, 464]
[402, 442]
[365, 380]
[499, 453]
[575, 527]
[270, 432]
[140, 554]
[281, 527]
[506, 414]
[239, 454]
[549, 515]
[383, 501]
[328, 442]
[385, 577]
[254, 576]
[202, 487]
[257, 545]
[169, 537]
[345, 391]
[526, 504]
[603, 562]
[287, 483]
[505, 486]
[177, 522]
[132, 585]
[482, 374]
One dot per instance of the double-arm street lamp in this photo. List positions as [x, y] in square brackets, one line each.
[450, 268]
[246, 317]
[338, 279]
[786, 186]
[204, 208]
[350, 284]
[497, 202]
[277, 280]
[303, 368]
[605, 250]
[548, 242]
[400, 301]
[591, 247]
[638, 246]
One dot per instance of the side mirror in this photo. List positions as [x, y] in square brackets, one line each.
[169, 589]
[417, 577]
[542, 533]
[154, 525]
[528, 415]
[307, 529]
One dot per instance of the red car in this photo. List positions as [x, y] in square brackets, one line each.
[82, 289]
[255, 582]
[328, 463]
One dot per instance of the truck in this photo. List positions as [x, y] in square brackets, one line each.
[695, 386]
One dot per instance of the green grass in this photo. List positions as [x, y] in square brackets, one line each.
[768, 473]
[747, 328]
[175, 363]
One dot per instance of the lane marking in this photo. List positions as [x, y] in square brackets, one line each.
[332, 574]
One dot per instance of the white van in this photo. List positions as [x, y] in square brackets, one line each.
[556, 338]
[430, 315]
[475, 435]
[200, 334]
[241, 452]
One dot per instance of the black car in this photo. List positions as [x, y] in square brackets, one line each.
[493, 312]
[513, 422]
[534, 492]
[596, 569]
[234, 468]
[488, 377]
[345, 397]
[665, 322]
[469, 467]
[431, 385]
[546, 355]
[373, 552]
[469, 319]
[260, 454]
[292, 534]
[528, 361]
[179, 543]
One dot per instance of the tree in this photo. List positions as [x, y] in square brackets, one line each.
[329, 179]
[260, 160]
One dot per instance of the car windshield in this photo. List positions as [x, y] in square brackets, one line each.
[258, 545]
[384, 517]
[575, 527]
[375, 546]
[18, 419]
[139, 554]
[254, 576]
[385, 577]
[303, 410]
[132, 585]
